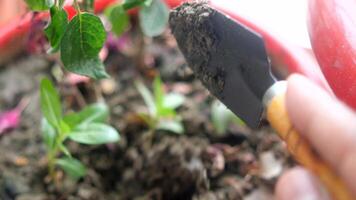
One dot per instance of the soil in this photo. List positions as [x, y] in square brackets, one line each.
[199, 164]
[197, 40]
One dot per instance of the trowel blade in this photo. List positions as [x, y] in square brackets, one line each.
[226, 56]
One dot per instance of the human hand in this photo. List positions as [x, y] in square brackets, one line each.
[330, 127]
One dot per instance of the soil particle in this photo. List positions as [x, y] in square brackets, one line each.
[178, 171]
[190, 24]
[20, 78]
[154, 169]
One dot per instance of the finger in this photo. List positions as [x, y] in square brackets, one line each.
[328, 125]
[299, 184]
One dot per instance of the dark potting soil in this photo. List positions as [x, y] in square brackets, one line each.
[200, 164]
[196, 39]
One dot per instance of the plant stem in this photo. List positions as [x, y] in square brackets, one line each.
[150, 135]
[147, 139]
[76, 6]
[51, 165]
[60, 3]
[51, 156]
[140, 54]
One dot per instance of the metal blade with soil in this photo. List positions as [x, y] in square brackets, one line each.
[226, 56]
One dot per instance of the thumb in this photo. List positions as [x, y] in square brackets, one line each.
[326, 123]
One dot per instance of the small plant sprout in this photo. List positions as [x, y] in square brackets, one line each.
[80, 39]
[85, 127]
[161, 108]
[222, 117]
[153, 16]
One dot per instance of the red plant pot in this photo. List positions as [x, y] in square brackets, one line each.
[332, 27]
[286, 58]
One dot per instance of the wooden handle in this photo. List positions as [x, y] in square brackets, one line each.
[302, 151]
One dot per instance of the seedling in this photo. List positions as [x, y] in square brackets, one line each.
[161, 108]
[81, 39]
[222, 117]
[153, 16]
[85, 127]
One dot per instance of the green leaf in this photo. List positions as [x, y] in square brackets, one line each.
[129, 4]
[95, 133]
[174, 126]
[73, 167]
[173, 100]
[98, 112]
[64, 127]
[39, 5]
[154, 18]
[50, 103]
[56, 28]
[81, 44]
[166, 112]
[238, 120]
[158, 92]
[221, 117]
[64, 150]
[119, 20]
[48, 133]
[147, 97]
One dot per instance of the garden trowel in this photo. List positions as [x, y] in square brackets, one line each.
[232, 63]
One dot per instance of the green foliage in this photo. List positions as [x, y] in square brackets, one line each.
[50, 103]
[129, 4]
[86, 127]
[81, 39]
[73, 167]
[147, 97]
[61, 3]
[95, 113]
[174, 126]
[56, 28]
[119, 19]
[48, 133]
[161, 107]
[173, 100]
[94, 133]
[154, 18]
[222, 117]
[39, 5]
[81, 44]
